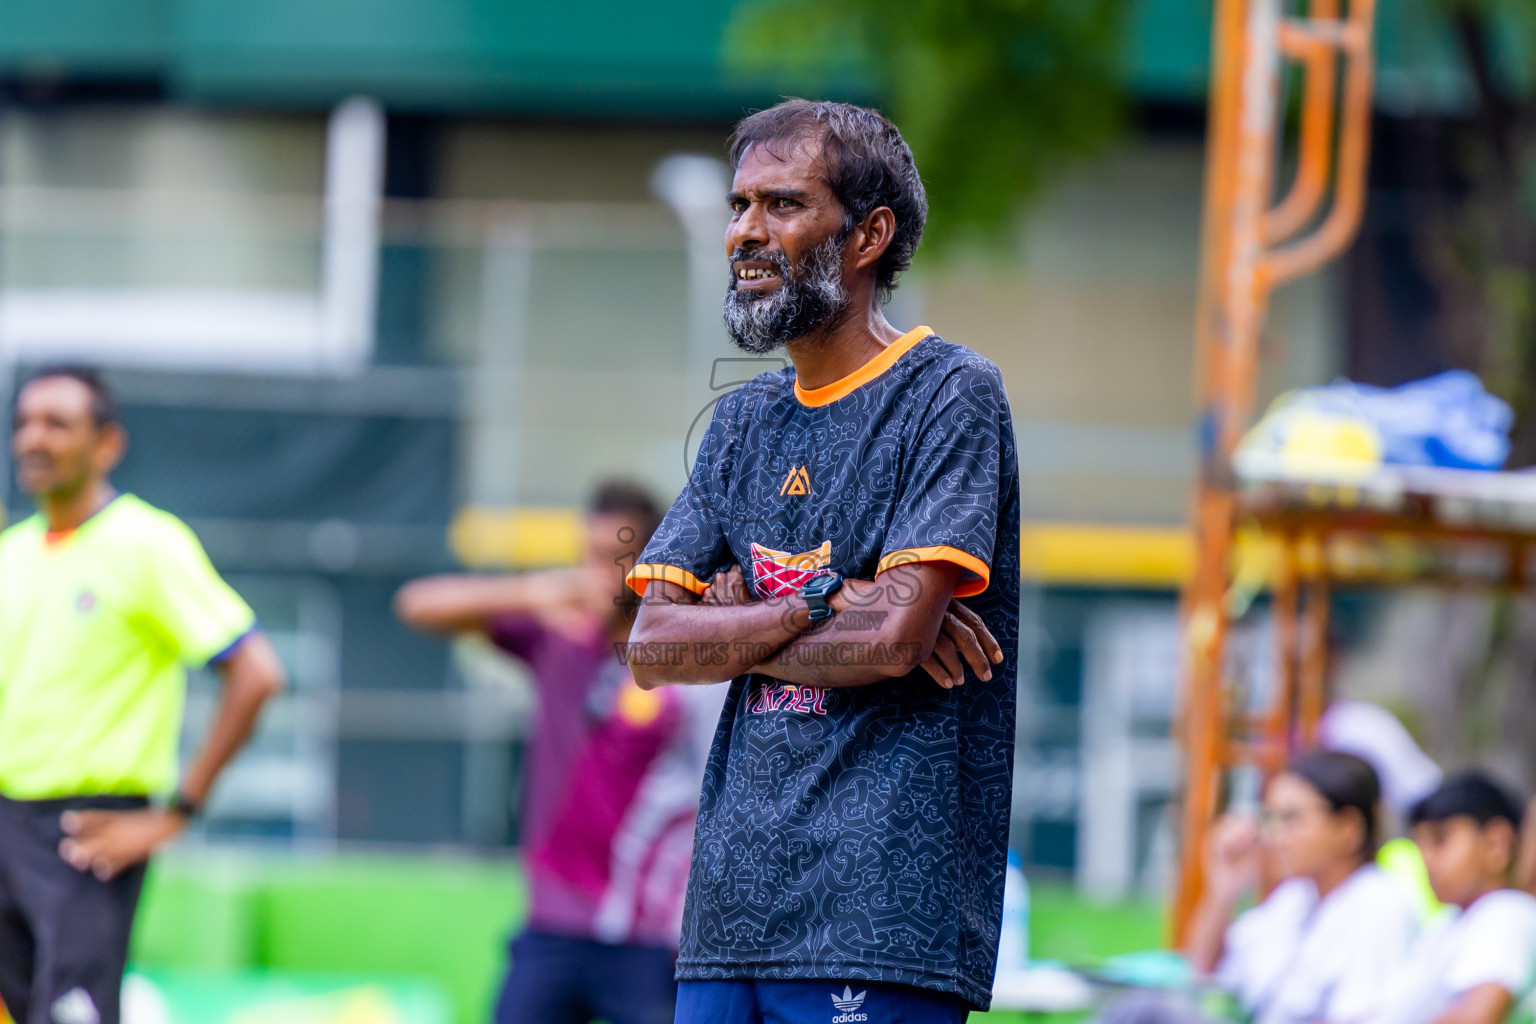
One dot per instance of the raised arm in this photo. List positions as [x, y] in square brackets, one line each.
[1231, 868]
[463, 603]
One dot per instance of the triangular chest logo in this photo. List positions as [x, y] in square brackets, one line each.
[798, 482]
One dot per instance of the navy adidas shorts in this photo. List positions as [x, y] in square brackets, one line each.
[814, 1002]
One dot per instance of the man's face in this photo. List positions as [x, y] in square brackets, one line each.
[1461, 858]
[785, 246]
[56, 443]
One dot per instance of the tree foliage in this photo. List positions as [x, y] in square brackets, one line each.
[994, 96]
[1479, 234]
[1472, 223]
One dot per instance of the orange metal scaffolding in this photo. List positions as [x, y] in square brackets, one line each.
[1249, 247]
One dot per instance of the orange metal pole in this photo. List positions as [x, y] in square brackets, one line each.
[1203, 712]
[1227, 322]
[1315, 154]
[1338, 229]
[1201, 614]
[1238, 272]
[1275, 729]
[1314, 654]
[1244, 298]
[1220, 162]
[1283, 703]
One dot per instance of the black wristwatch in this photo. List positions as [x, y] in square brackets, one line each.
[816, 591]
[183, 805]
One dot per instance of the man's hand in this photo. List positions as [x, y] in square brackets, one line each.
[575, 599]
[728, 587]
[963, 635]
[1488, 1003]
[107, 842]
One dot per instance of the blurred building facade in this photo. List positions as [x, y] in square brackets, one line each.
[538, 311]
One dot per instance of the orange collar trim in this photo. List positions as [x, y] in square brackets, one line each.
[53, 538]
[863, 375]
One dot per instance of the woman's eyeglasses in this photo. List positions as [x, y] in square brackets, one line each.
[1274, 820]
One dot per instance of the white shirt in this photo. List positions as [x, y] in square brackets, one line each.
[1493, 940]
[1295, 958]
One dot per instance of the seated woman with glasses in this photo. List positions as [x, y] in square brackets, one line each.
[1322, 946]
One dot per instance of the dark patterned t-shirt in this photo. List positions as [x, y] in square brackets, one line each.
[855, 833]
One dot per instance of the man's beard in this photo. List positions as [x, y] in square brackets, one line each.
[808, 298]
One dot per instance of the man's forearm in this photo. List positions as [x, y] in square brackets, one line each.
[252, 675]
[1488, 1003]
[833, 662]
[675, 641]
[462, 603]
[882, 629]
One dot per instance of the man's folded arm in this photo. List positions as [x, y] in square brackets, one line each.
[884, 628]
[679, 639]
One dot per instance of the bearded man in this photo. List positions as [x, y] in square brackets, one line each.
[847, 550]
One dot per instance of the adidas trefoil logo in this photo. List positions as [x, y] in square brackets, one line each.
[849, 1004]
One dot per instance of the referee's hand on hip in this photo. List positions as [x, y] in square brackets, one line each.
[106, 842]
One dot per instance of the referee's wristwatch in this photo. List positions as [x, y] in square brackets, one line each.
[816, 591]
[183, 805]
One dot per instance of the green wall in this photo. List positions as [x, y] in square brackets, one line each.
[438, 920]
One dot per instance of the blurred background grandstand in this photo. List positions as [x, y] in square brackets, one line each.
[385, 287]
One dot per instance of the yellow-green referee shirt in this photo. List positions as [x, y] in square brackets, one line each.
[97, 628]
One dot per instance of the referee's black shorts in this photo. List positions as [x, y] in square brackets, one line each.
[63, 933]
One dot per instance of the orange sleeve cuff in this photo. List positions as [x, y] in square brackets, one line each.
[641, 575]
[944, 553]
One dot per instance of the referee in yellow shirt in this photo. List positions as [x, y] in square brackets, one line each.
[104, 602]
